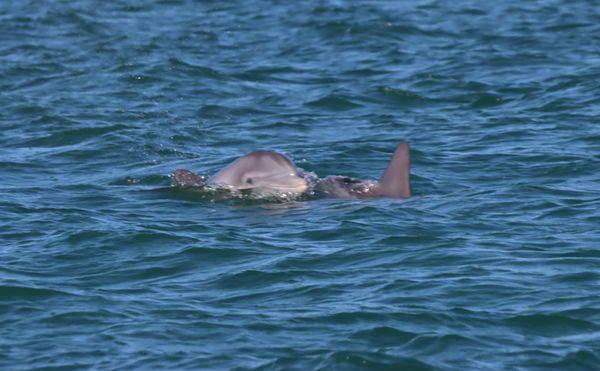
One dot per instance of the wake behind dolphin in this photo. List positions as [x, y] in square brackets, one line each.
[272, 173]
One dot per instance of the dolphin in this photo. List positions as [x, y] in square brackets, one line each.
[262, 172]
[270, 172]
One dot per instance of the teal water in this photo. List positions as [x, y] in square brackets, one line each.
[493, 264]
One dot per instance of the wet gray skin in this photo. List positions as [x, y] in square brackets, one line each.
[263, 172]
[269, 172]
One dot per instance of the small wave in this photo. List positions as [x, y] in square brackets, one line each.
[10, 292]
[580, 359]
[371, 361]
[194, 70]
[333, 102]
[400, 97]
[83, 318]
[551, 324]
[383, 336]
[487, 100]
[73, 136]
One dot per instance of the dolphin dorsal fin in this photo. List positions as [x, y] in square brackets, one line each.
[395, 181]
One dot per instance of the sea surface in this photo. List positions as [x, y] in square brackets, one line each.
[494, 263]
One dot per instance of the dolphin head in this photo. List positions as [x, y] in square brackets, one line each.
[262, 172]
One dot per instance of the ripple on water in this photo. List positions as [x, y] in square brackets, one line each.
[334, 102]
[27, 293]
[371, 360]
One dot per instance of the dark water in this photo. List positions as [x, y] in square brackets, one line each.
[494, 264]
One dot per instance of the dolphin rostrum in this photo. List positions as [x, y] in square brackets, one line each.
[269, 172]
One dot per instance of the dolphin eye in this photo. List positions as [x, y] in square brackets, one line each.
[249, 181]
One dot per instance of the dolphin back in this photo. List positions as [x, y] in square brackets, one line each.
[395, 181]
[186, 178]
